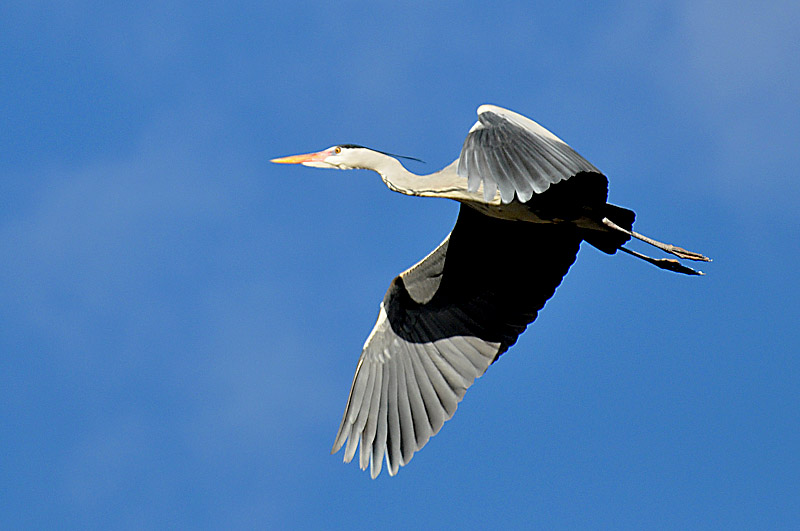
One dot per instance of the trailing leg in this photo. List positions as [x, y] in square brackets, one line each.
[666, 247]
[670, 264]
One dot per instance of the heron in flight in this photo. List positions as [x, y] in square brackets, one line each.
[527, 202]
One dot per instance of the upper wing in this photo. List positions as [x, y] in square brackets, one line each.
[505, 150]
[441, 324]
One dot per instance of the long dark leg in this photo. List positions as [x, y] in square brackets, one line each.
[666, 247]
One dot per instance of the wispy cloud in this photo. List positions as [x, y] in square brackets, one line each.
[138, 276]
[743, 76]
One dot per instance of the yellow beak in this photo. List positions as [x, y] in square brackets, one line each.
[299, 159]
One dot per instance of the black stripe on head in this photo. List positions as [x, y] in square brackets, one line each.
[352, 146]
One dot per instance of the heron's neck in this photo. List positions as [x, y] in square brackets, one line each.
[444, 183]
[395, 175]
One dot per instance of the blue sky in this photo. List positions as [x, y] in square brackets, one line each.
[180, 319]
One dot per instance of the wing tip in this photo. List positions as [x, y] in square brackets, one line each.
[488, 107]
[341, 438]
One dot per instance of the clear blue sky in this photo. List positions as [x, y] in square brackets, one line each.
[180, 319]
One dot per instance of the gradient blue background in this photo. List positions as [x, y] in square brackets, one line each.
[180, 319]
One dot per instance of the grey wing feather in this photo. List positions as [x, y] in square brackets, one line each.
[506, 151]
[440, 326]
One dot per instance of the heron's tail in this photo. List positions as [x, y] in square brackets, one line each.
[609, 241]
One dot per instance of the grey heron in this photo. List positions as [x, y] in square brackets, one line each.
[527, 202]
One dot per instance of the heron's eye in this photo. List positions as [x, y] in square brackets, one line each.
[337, 150]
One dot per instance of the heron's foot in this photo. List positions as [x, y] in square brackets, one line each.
[683, 253]
[670, 264]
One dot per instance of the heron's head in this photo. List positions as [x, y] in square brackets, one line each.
[341, 157]
[344, 157]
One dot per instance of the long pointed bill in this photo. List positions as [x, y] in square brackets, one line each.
[302, 159]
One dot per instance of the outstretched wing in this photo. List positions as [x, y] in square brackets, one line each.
[512, 153]
[441, 324]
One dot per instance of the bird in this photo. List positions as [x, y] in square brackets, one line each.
[527, 201]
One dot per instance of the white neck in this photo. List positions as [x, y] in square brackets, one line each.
[443, 183]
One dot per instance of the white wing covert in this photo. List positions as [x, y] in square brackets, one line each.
[507, 151]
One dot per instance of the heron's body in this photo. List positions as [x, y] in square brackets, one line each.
[528, 201]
